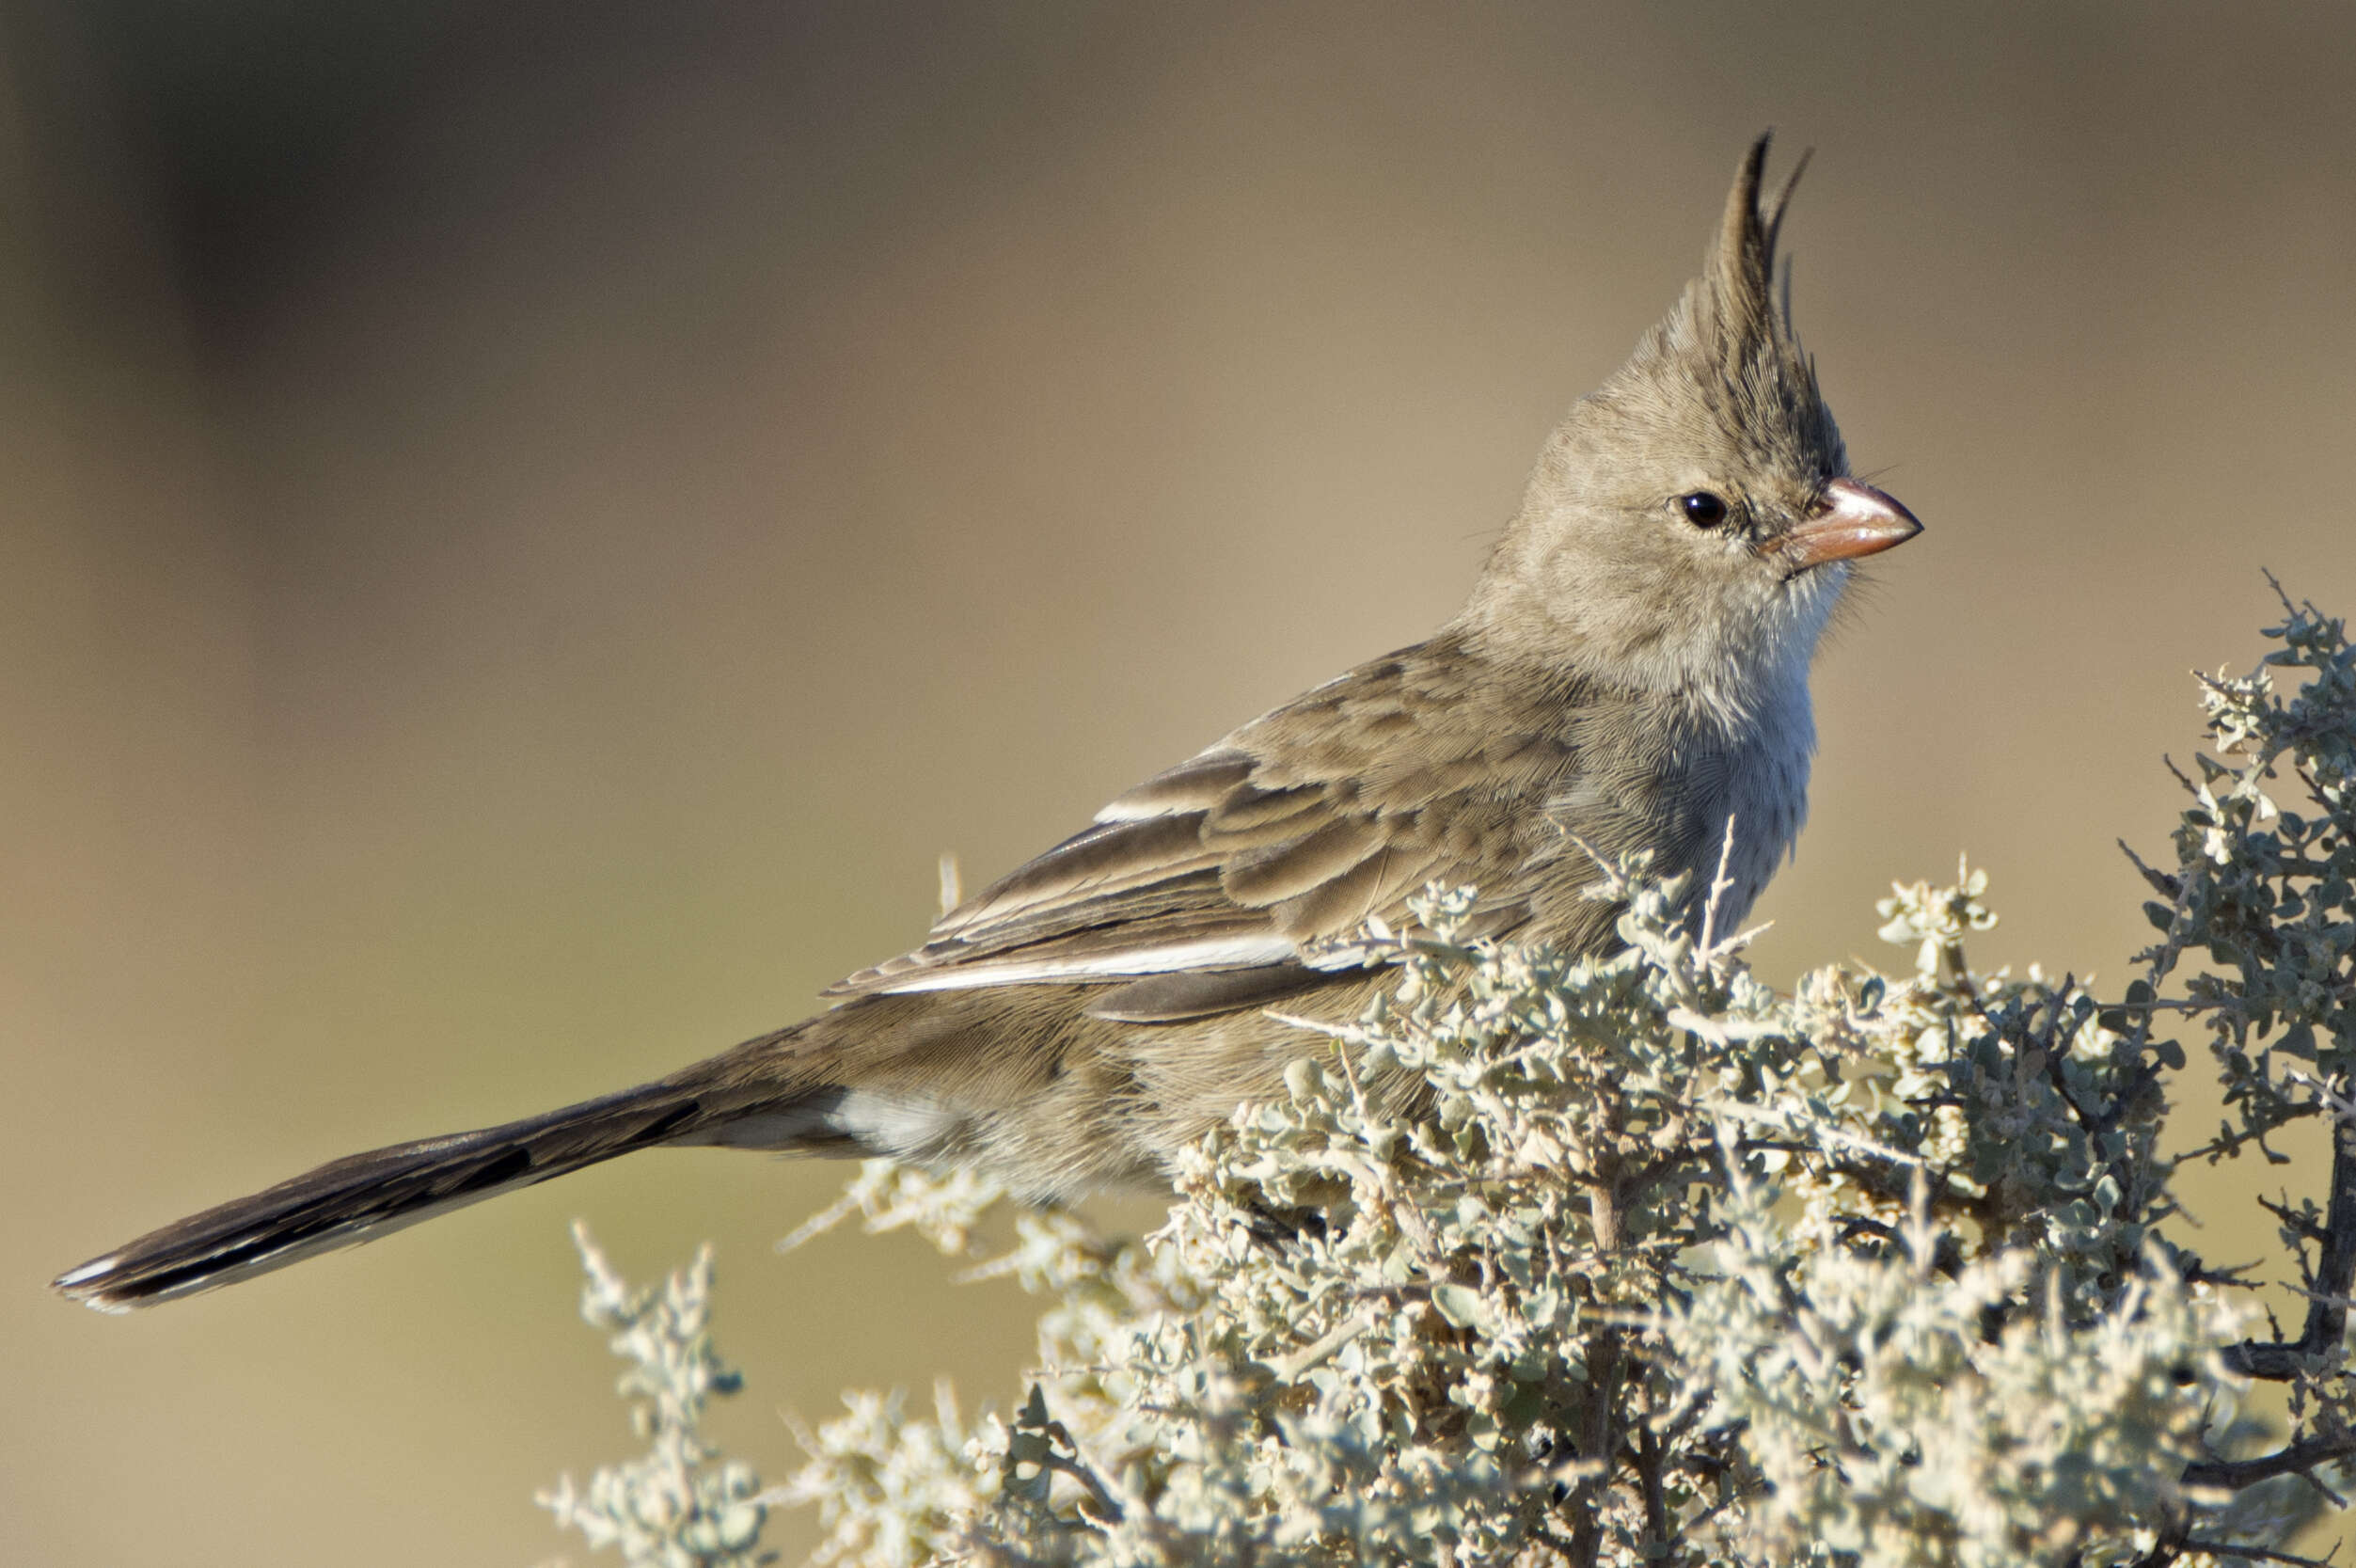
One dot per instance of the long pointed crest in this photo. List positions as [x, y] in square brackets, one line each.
[1728, 340]
[1741, 275]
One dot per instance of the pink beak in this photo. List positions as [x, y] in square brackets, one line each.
[1852, 520]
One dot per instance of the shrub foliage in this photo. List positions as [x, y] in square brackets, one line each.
[1678, 1269]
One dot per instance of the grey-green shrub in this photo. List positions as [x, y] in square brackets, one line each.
[1679, 1268]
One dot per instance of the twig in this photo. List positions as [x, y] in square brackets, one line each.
[1720, 884]
[1110, 1507]
[2254, 1554]
[2327, 1292]
[2234, 1474]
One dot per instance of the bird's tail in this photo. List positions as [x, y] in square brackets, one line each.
[371, 1194]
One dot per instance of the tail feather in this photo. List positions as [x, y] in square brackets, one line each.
[367, 1196]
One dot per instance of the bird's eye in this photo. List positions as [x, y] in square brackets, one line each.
[1702, 508]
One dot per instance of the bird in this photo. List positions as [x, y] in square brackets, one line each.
[1629, 675]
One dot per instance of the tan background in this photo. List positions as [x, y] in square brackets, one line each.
[524, 529]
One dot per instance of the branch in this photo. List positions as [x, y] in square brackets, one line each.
[1108, 1510]
[2254, 1554]
[2325, 1328]
[2234, 1474]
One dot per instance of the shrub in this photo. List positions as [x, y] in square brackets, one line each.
[1680, 1268]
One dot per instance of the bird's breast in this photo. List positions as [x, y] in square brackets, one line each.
[1764, 794]
[1666, 782]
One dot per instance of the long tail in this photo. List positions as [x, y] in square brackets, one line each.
[368, 1195]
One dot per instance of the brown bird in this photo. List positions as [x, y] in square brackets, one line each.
[1631, 673]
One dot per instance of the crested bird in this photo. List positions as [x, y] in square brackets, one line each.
[1629, 674]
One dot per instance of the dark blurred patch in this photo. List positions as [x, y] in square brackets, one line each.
[239, 116]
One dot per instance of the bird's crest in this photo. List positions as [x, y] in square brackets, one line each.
[1729, 337]
[1738, 287]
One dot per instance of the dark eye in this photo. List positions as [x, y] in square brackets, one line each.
[1702, 508]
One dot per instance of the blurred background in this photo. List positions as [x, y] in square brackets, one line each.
[523, 531]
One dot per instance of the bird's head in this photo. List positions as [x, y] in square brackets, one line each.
[1692, 522]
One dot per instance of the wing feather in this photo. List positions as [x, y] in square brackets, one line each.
[1106, 860]
[1335, 847]
[1197, 784]
[1202, 888]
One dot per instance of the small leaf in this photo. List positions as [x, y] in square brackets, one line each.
[1460, 1304]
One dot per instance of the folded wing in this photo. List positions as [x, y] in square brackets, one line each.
[1209, 886]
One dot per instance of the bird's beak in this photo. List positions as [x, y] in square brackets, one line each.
[1850, 520]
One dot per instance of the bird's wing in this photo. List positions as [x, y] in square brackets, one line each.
[1207, 886]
